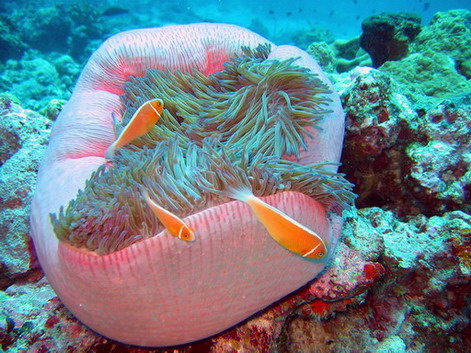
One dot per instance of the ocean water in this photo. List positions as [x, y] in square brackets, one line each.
[36, 29]
[278, 20]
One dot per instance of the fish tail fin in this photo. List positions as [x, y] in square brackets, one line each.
[237, 191]
[144, 193]
[109, 154]
[241, 192]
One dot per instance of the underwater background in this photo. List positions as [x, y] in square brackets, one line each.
[401, 278]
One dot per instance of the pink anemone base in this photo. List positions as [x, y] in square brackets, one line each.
[163, 291]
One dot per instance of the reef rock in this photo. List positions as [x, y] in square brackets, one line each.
[68, 29]
[393, 284]
[393, 137]
[422, 295]
[448, 33]
[387, 36]
[340, 55]
[36, 81]
[440, 60]
[24, 135]
[10, 41]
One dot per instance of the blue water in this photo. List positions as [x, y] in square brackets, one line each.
[278, 20]
[62, 35]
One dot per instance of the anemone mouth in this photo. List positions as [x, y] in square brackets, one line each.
[226, 130]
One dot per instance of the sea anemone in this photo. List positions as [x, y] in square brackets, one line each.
[239, 112]
[237, 124]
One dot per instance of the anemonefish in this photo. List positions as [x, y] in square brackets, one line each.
[171, 222]
[141, 123]
[289, 233]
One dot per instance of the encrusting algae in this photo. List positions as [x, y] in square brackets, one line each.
[217, 133]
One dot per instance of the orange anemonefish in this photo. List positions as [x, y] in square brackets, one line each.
[141, 123]
[287, 232]
[171, 222]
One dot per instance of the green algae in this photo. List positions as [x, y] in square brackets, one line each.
[428, 73]
[448, 33]
[439, 64]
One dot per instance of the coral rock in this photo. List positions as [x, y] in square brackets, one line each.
[391, 138]
[387, 36]
[24, 135]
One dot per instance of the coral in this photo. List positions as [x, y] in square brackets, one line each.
[53, 109]
[430, 73]
[349, 54]
[424, 292]
[69, 29]
[36, 81]
[440, 57]
[47, 29]
[448, 33]
[392, 139]
[10, 41]
[324, 55]
[340, 55]
[23, 135]
[315, 34]
[67, 69]
[387, 36]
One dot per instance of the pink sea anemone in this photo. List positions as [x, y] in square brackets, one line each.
[157, 290]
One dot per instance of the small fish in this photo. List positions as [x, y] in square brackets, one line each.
[114, 11]
[171, 222]
[141, 123]
[287, 232]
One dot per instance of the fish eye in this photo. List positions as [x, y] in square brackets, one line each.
[320, 254]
